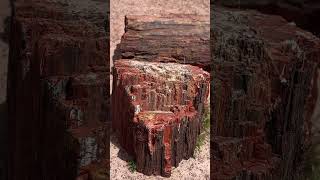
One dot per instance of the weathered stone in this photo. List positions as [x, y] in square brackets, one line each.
[304, 13]
[172, 38]
[157, 110]
[84, 116]
[58, 90]
[264, 75]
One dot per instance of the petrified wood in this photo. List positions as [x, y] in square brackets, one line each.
[304, 13]
[58, 90]
[157, 110]
[75, 139]
[172, 38]
[263, 95]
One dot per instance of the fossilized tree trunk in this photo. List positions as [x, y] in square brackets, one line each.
[158, 93]
[173, 38]
[58, 90]
[304, 13]
[264, 77]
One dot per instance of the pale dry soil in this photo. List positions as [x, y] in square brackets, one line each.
[197, 168]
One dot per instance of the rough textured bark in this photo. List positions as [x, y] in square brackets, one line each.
[58, 90]
[263, 95]
[172, 38]
[157, 110]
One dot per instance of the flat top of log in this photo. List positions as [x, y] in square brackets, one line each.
[272, 35]
[170, 71]
[94, 12]
[81, 7]
[133, 21]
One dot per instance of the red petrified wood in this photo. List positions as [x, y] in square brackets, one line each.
[157, 111]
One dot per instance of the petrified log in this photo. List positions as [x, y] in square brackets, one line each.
[304, 13]
[163, 98]
[157, 110]
[263, 96]
[76, 133]
[58, 90]
[172, 38]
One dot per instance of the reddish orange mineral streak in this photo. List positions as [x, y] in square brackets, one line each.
[167, 146]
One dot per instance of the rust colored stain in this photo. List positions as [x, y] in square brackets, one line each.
[167, 148]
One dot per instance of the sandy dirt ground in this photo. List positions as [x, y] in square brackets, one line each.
[197, 168]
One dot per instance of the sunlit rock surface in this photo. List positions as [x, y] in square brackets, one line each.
[157, 110]
[173, 38]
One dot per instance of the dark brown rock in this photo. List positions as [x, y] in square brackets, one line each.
[172, 38]
[304, 13]
[264, 70]
[58, 90]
